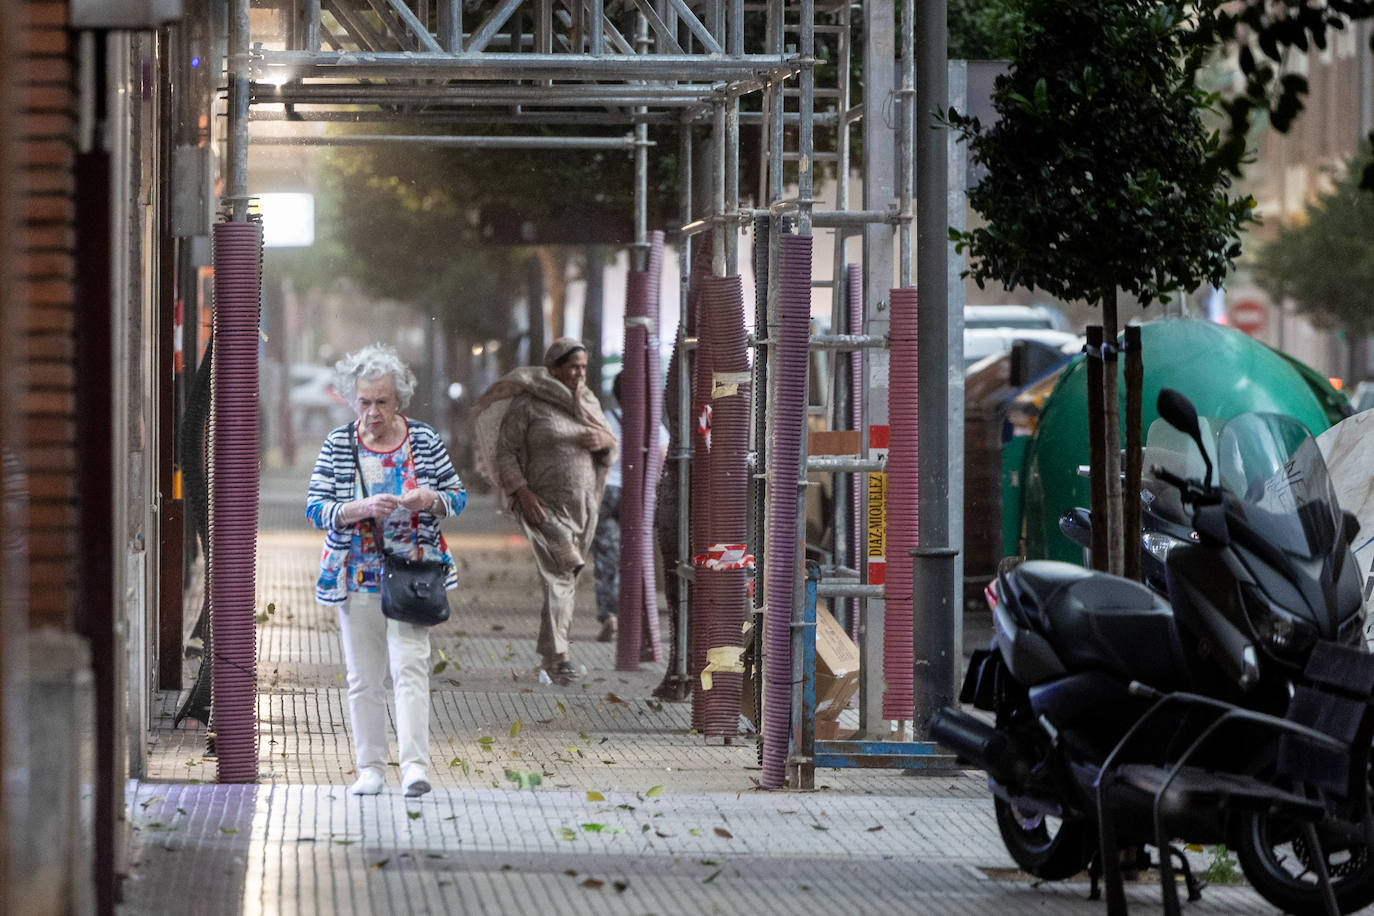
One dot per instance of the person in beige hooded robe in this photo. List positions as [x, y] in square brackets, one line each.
[543, 441]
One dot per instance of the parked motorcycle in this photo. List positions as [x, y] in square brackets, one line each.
[1262, 574]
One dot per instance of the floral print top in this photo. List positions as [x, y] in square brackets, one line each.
[350, 560]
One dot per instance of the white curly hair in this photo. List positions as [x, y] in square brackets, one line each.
[373, 362]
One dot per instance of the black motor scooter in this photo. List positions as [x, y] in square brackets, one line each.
[1264, 577]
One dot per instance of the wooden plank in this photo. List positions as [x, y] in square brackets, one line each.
[833, 442]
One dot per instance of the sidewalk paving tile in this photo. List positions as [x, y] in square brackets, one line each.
[634, 812]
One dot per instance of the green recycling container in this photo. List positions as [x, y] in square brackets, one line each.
[1224, 372]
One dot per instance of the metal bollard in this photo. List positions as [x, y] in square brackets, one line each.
[933, 632]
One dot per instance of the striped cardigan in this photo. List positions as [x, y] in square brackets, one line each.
[332, 483]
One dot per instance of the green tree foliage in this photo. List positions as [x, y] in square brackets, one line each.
[1326, 262]
[408, 216]
[1101, 177]
[983, 29]
[409, 237]
[1099, 174]
[1265, 32]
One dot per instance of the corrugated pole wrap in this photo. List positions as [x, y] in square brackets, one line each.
[854, 281]
[700, 502]
[640, 465]
[653, 421]
[237, 257]
[633, 372]
[725, 570]
[786, 424]
[234, 499]
[903, 481]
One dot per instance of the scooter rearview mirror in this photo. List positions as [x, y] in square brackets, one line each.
[1179, 412]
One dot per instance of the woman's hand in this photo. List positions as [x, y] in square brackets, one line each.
[377, 507]
[420, 499]
[530, 506]
[596, 440]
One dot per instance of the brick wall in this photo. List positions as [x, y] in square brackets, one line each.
[45, 270]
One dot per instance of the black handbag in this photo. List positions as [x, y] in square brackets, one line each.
[412, 591]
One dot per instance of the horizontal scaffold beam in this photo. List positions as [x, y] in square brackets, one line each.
[334, 114]
[283, 66]
[454, 141]
[500, 94]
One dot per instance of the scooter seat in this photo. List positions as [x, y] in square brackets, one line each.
[1099, 621]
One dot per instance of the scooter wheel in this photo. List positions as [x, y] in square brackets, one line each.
[1047, 848]
[1277, 862]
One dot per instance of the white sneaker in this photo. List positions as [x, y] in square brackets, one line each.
[415, 781]
[369, 782]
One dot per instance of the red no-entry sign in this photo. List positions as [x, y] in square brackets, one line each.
[1249, 315]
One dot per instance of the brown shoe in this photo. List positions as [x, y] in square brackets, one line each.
[607, 633]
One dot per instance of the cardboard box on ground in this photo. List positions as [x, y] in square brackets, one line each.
[837, 674]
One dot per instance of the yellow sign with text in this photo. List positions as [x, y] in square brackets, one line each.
[877, 528]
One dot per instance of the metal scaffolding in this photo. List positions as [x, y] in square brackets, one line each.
[608, 70]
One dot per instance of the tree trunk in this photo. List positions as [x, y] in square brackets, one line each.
[1097, 458]
[1111, 416]
[1135, 378]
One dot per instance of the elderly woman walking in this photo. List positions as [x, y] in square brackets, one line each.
[389, 474]
[544, 443]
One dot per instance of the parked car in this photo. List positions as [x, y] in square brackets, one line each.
[1041, 317]
[316, 405]
[981, 343]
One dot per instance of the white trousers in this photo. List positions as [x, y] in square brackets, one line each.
[370, 641]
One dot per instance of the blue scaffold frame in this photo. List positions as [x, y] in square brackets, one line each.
[808, 753]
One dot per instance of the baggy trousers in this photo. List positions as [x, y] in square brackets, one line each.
[560, 594]
[374, 645]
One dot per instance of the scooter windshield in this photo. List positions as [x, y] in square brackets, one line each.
[1273, 466]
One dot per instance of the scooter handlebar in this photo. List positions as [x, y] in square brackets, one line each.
[1139, 689]
[1190, 490]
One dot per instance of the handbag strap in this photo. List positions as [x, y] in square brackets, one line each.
[362, 482]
